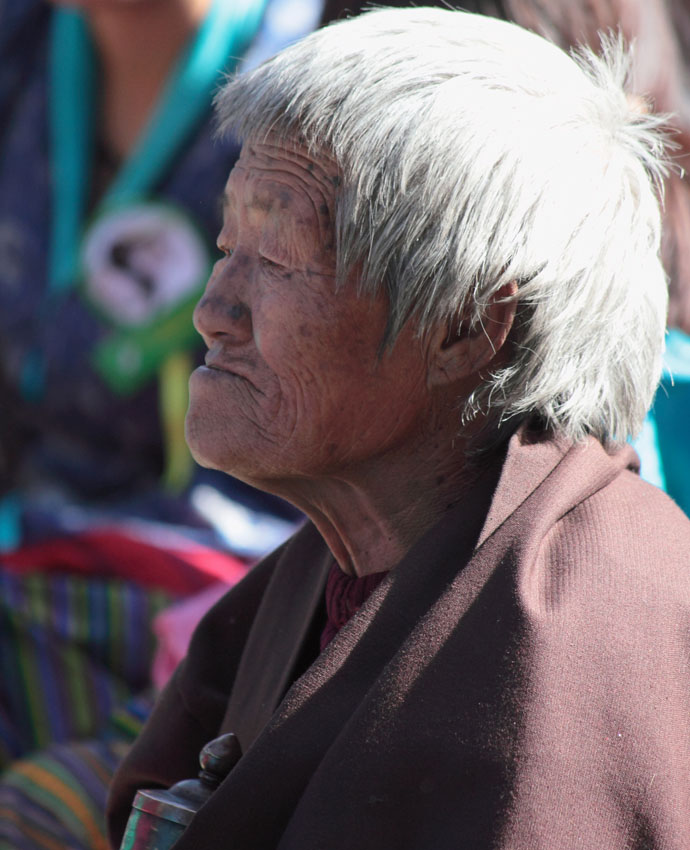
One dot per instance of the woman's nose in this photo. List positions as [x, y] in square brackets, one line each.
[223, 312]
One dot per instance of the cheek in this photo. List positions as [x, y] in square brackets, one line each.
[306, 373]
[319, 357]
[329, 380]
[318, 372]
[300, 338]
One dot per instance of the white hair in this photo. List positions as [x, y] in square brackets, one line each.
[473, 154]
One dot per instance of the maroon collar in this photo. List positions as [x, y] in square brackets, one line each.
[345, 595]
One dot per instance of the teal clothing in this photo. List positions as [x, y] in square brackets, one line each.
[664, 444]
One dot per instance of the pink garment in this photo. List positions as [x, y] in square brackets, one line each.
[174, 626]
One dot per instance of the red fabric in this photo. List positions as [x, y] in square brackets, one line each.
[171, 562]
[345, 595]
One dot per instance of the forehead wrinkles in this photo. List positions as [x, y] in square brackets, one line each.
[313, 178]
[320, 166]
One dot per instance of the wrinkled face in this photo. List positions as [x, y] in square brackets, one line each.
[293, 386]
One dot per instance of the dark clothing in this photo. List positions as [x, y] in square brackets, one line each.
[519, 680]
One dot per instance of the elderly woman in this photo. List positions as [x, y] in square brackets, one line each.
[438, 314]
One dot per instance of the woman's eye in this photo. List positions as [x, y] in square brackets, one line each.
[270, 264]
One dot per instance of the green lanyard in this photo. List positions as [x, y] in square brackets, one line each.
[224, 35]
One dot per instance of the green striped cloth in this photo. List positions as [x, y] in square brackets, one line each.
[75, 652]
[72, 648]
[55, 799]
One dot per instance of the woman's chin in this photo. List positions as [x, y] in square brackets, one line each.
[199, 434]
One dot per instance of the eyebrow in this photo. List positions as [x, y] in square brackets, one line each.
[257, 203]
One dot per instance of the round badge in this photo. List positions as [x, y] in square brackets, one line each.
[140, 261]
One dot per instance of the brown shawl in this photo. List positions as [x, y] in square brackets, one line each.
[523, 683]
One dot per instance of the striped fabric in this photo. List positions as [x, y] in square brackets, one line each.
[55, 799]
[76, 650]
[71, 649]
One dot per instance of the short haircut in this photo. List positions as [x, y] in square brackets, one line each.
[475, 153]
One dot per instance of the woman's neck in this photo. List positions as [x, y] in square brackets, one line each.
[370, 519]
[137, 45]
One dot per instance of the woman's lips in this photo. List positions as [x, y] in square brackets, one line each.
[217, 364]
[218, 367]
[217, 370]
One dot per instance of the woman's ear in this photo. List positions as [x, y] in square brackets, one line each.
[456, 352]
